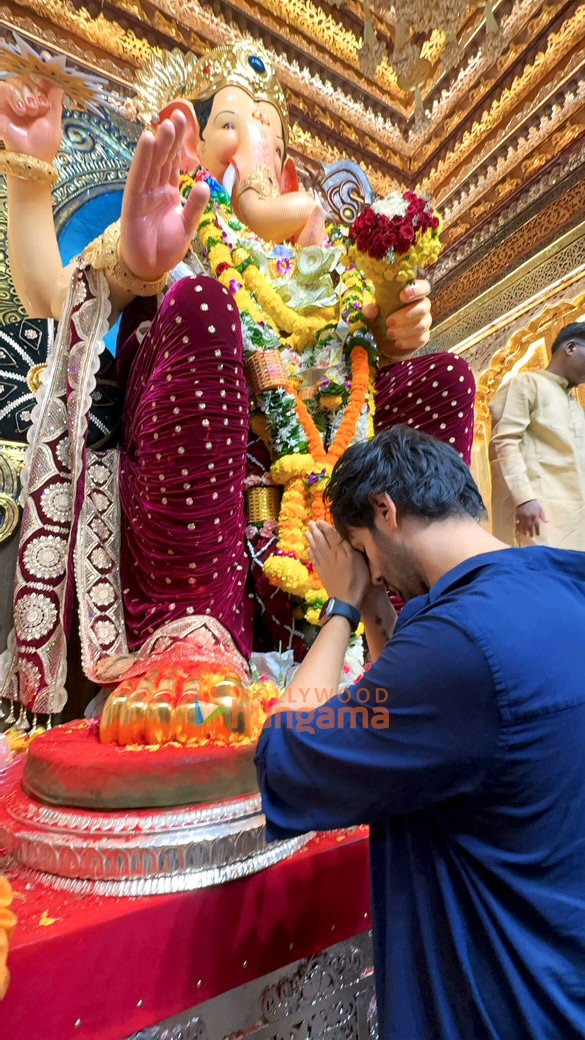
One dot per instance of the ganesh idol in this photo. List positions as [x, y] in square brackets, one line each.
[250, 359]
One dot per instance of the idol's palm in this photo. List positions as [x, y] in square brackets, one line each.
[156, 229]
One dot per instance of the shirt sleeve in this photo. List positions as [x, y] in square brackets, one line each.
[421, 726]
[511, 412]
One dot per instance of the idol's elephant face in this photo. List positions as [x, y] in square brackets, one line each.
[242, 145]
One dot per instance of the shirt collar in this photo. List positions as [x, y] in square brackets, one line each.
[452, 577]
[560, 380]
[455, 575]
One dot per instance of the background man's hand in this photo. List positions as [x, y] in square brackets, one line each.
[529, 517]
[343, 571]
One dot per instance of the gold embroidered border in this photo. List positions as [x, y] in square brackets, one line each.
[97, 564]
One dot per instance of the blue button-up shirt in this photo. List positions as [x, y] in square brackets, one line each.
[475, 791]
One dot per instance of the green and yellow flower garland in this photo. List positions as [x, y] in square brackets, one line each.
[305, 465]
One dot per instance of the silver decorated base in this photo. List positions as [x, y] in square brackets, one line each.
[142, 852]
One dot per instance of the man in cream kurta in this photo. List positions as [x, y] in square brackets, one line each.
[537, 451]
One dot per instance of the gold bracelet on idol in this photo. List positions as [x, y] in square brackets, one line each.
[103, 255]
[27, 167]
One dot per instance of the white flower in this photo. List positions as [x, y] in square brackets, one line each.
[102, 594]
[100, 473]
[63, 451]
[100, 558]
[34, 616]
[105, 631]
[44, 557]
[393, 205]
[56, 502]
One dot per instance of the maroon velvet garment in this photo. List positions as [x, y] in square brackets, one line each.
[182, 467]
[434, 393]
[183, 462]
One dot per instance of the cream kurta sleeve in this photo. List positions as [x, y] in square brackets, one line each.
[511, 416]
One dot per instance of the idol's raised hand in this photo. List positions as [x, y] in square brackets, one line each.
[31, 118]
[155, 228]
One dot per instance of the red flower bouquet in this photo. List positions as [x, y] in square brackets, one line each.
[390, 241]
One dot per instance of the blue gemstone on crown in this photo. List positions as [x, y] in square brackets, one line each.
[257, 64]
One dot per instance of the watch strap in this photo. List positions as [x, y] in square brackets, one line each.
[338, 608]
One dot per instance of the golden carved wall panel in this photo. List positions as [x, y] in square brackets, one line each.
[549, 223]
[558, 177]
[559, 100]
[534, 159]
[483, 325]
[558, 47]
[526, 19]
[100, 31]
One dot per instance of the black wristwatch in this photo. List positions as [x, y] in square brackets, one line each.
[336, 607]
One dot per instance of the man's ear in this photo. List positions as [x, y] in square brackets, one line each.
[385, 512]
[192, 139]
[289, 178]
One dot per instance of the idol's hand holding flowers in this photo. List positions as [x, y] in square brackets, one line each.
[155, 228]
[409, 328]
[391, 241]
[344, 572]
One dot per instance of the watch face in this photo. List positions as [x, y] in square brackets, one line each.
[326, 612]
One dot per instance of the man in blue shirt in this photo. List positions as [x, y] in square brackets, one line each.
[463, 747]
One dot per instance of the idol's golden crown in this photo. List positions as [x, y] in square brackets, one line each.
[244, 64]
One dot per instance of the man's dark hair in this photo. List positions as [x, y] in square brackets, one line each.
[574, 331]
[424, 478]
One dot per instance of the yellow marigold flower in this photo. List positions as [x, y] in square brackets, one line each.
[287, 574]
[290, 466]
[315, 596]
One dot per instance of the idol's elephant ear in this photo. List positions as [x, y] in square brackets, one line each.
[289, 179]
[192, 138]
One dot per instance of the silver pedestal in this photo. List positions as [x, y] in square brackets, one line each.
[139, 852]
